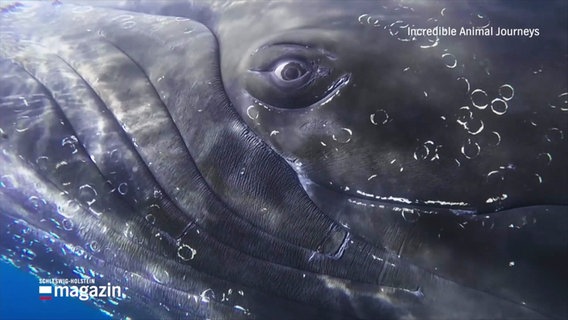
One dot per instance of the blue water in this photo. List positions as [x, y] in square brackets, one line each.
[19, 299]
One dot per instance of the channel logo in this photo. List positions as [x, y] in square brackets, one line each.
[45, 293]
[82, 292]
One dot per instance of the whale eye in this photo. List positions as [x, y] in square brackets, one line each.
[292, 82]
[291, 72]
[292, 76]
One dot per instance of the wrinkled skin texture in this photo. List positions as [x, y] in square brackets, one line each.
[388, 177]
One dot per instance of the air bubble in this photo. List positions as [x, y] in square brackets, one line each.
[449, 60]
[499, 106]
[23, 123]
[369, 20]
[114, 155]
[560, 102]
[379, 117]
[186, 252]
[160, 275]
[473, 126]
[497, 137]
[397, 27]
[70, 142]
[94, 246]
[432, 42]
[410, 215]
[554, 135]
[67, 224]
[252, 112]
[481, 21]
[36, 202]
[207, 295]
[150, 218]
[479, 99]
[495, 176]
[464, 115]
[87, 194]
[343, 136]
[42, 163]
[544, 158]
[123, 188]
[470, 149]
[468, 86]
[506, 92]
[421, 152]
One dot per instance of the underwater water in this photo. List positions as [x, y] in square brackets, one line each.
[284, 161]
[19, 299]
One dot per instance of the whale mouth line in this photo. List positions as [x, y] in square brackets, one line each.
[362, 198]
[405, 201]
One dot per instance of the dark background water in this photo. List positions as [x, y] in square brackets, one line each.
[19, 299]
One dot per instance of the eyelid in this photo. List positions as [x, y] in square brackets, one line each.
[263, 82]
[296, 47]
[265, 57]
[271, 64]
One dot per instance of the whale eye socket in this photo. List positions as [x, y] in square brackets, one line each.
[291, 76]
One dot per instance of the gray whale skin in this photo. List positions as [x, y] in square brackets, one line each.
[289, 159]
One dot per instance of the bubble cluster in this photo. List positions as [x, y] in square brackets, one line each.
[427, 151]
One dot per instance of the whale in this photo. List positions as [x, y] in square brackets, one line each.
[289, 159]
